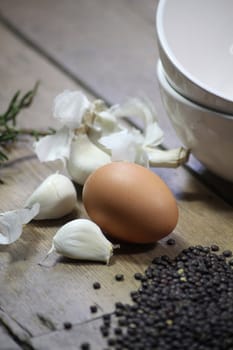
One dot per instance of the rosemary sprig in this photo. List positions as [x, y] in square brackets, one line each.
[8, 131]
[16, 105]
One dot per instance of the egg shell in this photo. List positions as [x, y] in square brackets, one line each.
[130, 203]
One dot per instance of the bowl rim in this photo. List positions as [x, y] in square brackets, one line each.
[175, 63]
[167, 86]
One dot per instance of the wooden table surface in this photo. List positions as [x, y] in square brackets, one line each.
[108, 50]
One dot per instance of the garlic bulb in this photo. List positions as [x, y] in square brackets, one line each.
[82, 239]
[56, 196]
[85, 157]
[92, 135]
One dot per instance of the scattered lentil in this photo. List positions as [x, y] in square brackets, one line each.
[184, 303]
[138, 276]
[96, 285]
[85, 346]
[93, 308]
[119, 277]
[214, 248]
[171, 241]
[67, 325]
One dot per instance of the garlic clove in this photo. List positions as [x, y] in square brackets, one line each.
[85, 157]
[107, 122]
[167, 158]
[11, 223]
[82, 239]
[56, 196]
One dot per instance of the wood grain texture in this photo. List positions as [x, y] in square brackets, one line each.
[13, 335]
[73, 338]
[62, 289]
[110, 46]
[7, 342]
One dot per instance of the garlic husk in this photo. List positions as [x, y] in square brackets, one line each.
[56, 196]
[123, 145]
[70, 108]
[11, 223]
[82, 239]
[55, 146]
[85, 157]
[167, 158]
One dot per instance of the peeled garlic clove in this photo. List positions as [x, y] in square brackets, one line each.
[85, 157]
[167, 158]
[82, 239]
[56, 196]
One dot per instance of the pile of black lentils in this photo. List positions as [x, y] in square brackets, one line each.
[185, 303]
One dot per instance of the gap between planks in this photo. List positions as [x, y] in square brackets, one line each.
[45, 55]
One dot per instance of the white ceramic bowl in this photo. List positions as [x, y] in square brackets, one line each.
[195, 39]
[208, 134]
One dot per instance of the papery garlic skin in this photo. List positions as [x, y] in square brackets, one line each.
[11, 222]
[55, 146]
[70, 108]
[85, 157]
[56, 195]
[82, 239]
[171, 158]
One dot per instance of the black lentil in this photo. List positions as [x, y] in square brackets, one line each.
[105, 331]
[119, 277]
[171, 241]
[184, 303]
[118, 330]
[138, 276]
[111, 341]
[214, 248]
[107, 323]
[67, 325]
[106, 317]
[93, 308]
[119, 305]
[227, 253]
[96, 285]
[85, 346]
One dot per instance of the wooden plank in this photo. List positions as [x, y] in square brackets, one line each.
[73, 338]
[63, 290]
[12, 335]
[101, 41]
[108, 45]
[6, 342]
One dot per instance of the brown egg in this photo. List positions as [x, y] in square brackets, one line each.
[130, 203]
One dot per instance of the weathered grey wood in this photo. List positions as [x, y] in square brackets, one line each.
[13, 336]
[73, 338]
[6, 342]
[108, 45]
